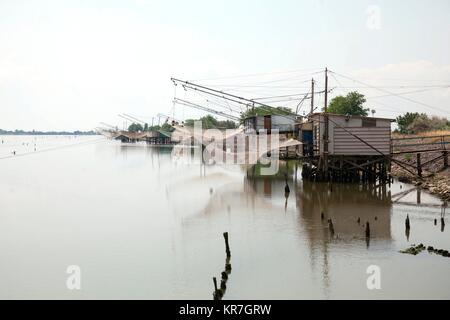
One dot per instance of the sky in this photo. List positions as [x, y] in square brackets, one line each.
[69, 65]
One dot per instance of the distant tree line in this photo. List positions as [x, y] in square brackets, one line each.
[47, 133]
[209, 122]
[414, 122]
[264, 111]
[137, 127]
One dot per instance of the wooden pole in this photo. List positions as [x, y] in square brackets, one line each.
[325, 138]
[312, 96]
[445, 154]
[367, 230]
[331, 226]
[419, 165]
[227, 246]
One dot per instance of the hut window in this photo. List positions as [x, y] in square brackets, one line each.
[369, 122]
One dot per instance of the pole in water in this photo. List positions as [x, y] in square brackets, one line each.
[217, 293]
[224, 276]
[223, 285]
[407, 224]
[287, 190]
[322, 216]
[331, 226]
[367, 230]
[227, 245]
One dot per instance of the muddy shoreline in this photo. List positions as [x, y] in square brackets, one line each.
[437, 184]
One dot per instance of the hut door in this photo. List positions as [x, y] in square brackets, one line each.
[267, 123]
[307, 138]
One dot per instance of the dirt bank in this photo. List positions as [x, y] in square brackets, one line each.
[437, 183]
[436, 179]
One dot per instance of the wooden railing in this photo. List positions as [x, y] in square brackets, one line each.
[420, 144]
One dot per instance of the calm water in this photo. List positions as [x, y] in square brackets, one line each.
[140, 225]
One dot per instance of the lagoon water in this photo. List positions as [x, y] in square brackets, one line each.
[142, 226]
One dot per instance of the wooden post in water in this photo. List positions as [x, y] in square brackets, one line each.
[331, 226]
[367, 230]
[227, 245]
[218, 294]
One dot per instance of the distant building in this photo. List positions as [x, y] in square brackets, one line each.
[285, 124]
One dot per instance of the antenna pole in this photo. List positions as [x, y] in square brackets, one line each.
[325, 134]
[312, 96]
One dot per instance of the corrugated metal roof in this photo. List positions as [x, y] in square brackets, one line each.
[344, 116]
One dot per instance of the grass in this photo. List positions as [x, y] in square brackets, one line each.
[422, 134]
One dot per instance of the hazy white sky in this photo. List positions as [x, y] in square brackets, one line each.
[67, 65]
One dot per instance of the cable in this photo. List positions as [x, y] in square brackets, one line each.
[392, 93]
[256, 74]
[408, 92]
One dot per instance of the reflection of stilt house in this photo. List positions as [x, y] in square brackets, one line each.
[345, 148]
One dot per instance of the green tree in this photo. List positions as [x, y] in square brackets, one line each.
[414, 122]
[226, 124]
[352, 104]
[135, 127]
[424, 123]
[166, 127]
[209, 122]
[146, 127]
[405, 121]
[154, 128]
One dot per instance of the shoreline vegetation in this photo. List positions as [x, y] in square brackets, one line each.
[47, 133]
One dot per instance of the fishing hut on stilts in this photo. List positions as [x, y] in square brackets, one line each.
[345, 148]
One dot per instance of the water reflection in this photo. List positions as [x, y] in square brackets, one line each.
[329, 213]
[160, 224]
[348, 206]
